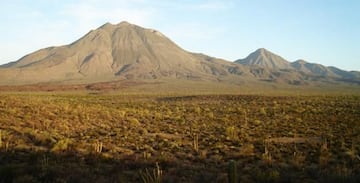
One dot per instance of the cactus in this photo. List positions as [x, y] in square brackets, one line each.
[98, 147]
[0, 139]
[232, 172]
[231, 133]
[146, 155]
[196, 142]
[245, 118]
[266, 156]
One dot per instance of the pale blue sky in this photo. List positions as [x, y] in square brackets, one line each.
[320, 31]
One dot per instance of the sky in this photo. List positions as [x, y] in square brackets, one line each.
[319, 31]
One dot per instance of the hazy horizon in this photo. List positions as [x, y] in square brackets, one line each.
[324, 32]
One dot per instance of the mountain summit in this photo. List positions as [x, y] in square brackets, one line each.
[111, 52]
[299, 70]
[264, 58]
[127, 52]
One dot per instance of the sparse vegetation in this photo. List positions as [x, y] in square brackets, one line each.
[111, 138]
[232, 172]
[154, 176]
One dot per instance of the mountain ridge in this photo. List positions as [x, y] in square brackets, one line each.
[269, 60]
[124, 51]
[116, 51]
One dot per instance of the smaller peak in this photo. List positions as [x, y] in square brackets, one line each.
[108, 27]
[261, 50]
[301, 61]
[107, 24]
[124, 23]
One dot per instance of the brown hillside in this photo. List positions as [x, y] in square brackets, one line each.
[124, 53]
[114, 52]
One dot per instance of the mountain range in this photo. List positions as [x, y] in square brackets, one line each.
[127, 52]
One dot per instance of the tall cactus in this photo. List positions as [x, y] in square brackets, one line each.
[196, 142]
[232, 172]
[98, 146]
[0, 139]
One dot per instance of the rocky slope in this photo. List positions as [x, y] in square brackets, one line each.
[274, 67]
[114, 52]
[127, 52]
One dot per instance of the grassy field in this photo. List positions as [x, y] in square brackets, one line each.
[52, 137]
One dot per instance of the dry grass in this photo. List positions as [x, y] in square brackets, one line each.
[110, 138]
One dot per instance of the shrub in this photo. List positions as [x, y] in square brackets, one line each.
[61, 145]
[133, 121]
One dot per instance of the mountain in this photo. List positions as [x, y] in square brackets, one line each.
[117, 55]
[299, 71]
[113, 52]
[264, 58]
[312, 68]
